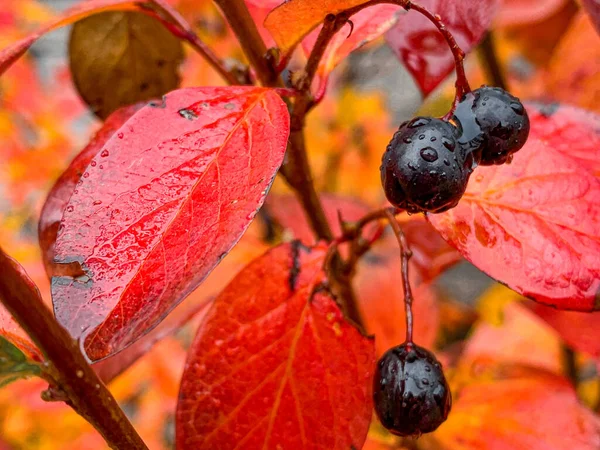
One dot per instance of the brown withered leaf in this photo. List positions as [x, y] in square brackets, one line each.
[120, 58]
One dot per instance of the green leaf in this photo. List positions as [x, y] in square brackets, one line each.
[14, 364]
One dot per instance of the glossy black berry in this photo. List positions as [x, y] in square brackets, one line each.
[410, 392]
[424, 168]
[494, 125]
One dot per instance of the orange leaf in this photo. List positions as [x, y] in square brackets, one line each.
[294, 19]
[275, 365]
[511, 408]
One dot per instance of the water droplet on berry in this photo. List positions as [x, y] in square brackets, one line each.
[93, 164]
[104, 153]
[418, 122]
[433, 139]
[517, 108]
[429, 154]
[448, 144]
[120, 135]
[70, 208]
[407, 140]
[422, 136]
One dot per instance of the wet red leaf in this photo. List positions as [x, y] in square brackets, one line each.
[81, 10]
[535, 224]
[505, 407]
[14, 281]
[562, 126]
[157, 209]
[523, 12]
[61, 192]
[275, 365]
[579, 330]
[593, 9]
[422, 48]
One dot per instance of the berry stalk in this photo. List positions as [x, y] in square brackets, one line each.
[405, 255]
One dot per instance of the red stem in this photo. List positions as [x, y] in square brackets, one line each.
[405, 254]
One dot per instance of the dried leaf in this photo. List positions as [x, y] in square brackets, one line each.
[275, 365]
[120, 58]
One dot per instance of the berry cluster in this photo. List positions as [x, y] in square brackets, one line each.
[428, 162]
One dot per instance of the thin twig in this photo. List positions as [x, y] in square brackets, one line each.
[405, 255]
[85, 392]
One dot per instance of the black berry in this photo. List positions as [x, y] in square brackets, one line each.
[424, 168]
[494, 125]
[410, 392]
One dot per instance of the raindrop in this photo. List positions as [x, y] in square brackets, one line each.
[422, 136]
[104, 153]
[412, 166]
[433, 139]
[446, 162]
[85, 175]
[419, 122]
[93, 164]
[429, 154]
[517, 107]
[97, 202]
[70, 209]
[120, 135]
[407, 140]
[425, 381]
[448, 144]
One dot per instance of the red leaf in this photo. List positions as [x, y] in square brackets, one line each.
[534, 224]
[157, 209]
[61, 192]
[81, 10]
[593, 9]
[579, 330]
[15, 281]
[367, 25]
[421, 47]
[517, 408]
[575, 132]
[275, 365]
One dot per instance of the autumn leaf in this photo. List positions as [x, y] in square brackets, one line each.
[275, 365]
[574, 70]
[422, 48]
[294, 19]
[579, 330]
[534, 225]
[61, 192]
[157, 209]
[508, 407]
[120, 58]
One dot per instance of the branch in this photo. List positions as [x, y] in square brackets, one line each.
[85, 392]
[180, 28]
[237, 14]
